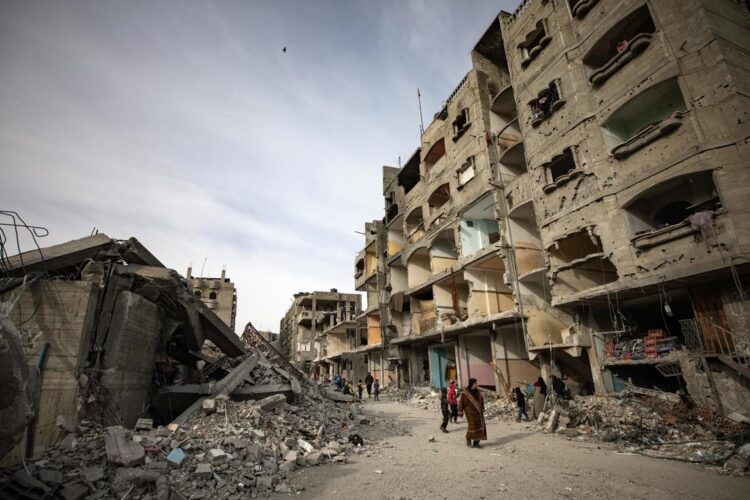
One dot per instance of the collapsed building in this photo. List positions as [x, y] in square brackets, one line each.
[99, 329]
[578, 207]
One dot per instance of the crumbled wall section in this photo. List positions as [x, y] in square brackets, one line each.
[61, 313]
[128, 361]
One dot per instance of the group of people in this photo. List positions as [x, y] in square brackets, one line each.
[371, 384]
[470, 404]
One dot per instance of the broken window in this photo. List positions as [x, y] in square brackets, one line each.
[578, 262]
[359, 268]
[461, 123]
[579, 8]
[546, 103]
[408, 176]
[443, 253]
[198, 293]
[534, 42]
[391, 212]
[620, 45]
[434, 155]
[654, 113]
[686, 205]
[561, 169]
[415, 225]
[212, 295]
[439, 198]
[466, 172]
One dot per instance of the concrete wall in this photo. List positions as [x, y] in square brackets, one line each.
[61, 313]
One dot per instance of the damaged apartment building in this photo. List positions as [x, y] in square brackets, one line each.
[578, 207]
[318, 328]
[219, 295]
[98, 329]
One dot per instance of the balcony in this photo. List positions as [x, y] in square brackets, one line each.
[579, 8]
[620, 45]
[674, 209]
[650, 115]
[578, 262]
[415, 226]
[534, 42]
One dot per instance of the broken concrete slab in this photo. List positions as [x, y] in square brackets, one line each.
[133, 252]
[209, 406]
[224, 386]
[337, 396]
[217, 456]
[120, 449]
[58, 257]
[271, 402]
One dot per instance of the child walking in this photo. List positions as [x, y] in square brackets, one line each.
[444, 408]
[360, 387]
[453, 401]
[376, 389]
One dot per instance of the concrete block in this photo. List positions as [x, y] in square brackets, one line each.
[176, 457]
[209, 406]
[253, 453]
[264, 483]
[204, 471]
[144, 424]
[217, 456]
[291, 456]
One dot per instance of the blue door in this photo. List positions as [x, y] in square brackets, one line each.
[438, 363]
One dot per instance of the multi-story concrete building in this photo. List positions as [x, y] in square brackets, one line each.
[318, 327]
[219, 294]
[578, 207]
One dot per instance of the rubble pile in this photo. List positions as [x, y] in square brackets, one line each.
[429, 400]
[657, 425]
[227, 450]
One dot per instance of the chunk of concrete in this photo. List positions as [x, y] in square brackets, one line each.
[264, 483]
[217, 456]
[209, 406]
[144, 424]
[121, 450]
[304, 445]
[253, 453]
[271, 402]
[51, 477]
[204, 471]
[291, 456]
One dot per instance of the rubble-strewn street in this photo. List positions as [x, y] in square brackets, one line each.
[516, 462]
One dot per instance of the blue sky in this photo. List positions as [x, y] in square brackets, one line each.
[183, 123]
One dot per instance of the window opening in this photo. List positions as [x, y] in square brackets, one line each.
[461, 123]
[546, 103]
[535, 41]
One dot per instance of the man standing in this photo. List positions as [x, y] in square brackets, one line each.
[368, 384]
[472, 404]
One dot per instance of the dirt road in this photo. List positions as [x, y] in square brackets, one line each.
[515, 462]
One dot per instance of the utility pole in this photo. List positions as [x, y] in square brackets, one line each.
[421, 120]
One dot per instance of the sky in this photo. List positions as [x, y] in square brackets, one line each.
[184, 124]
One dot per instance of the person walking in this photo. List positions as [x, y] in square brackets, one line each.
[520, 402]
[472, 404]
[360, 387]
[376, 389]
[368, 383]
[453, 401]
[444, 408]
[337, 381]
[540, 394]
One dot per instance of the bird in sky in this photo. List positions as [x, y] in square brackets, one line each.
[284, 50]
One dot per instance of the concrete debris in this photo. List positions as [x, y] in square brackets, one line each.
[120, 449]
[208, 456]
[650, 424]
[144, 424]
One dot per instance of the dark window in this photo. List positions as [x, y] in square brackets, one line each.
[212, 295]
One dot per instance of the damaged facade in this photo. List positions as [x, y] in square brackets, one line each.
[318, 327]
[219, 295]
[578, 208]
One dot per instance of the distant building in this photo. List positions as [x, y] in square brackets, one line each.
[319, 326]
[218, 294]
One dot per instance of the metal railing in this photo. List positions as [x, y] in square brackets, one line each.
[712, 339]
